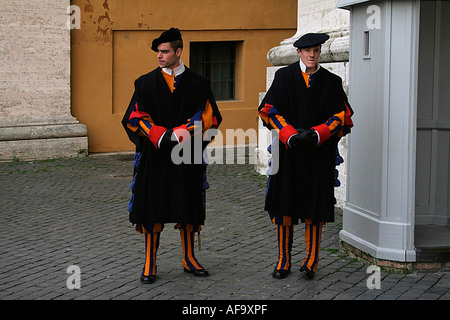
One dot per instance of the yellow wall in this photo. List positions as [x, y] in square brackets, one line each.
[112, 49]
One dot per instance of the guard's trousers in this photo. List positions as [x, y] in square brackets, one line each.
[152, 237]
[285, 235]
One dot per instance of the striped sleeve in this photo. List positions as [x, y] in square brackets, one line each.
[331, 127]
[203, 118]
[141, 123]
[273, 120]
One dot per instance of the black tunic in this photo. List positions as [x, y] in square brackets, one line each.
[164, 192]
[303, 186]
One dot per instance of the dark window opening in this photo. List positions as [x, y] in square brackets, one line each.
[216, 61]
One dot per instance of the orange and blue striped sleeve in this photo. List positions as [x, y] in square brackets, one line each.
[205, 118]
[273, 120]
[339, 124]
[141, 123]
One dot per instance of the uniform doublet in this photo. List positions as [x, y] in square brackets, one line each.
[303, 186]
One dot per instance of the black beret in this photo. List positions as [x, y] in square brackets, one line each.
[311, 40]
[167, 36]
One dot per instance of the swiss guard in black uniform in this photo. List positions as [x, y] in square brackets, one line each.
[170, 104]
[308, 108]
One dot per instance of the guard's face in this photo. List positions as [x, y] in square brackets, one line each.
[167, 57]
[309, 56]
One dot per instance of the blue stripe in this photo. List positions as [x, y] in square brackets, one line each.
[286, 249]
[189, 238]
[272, 111]
[316, 253]
[197, 116]
[277, 122]
[153, 247]
[310, 243]
[147, 124]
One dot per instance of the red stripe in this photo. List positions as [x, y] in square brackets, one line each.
[323, 131]
[136, 114]
[215, 123]
[265, 111]
[348, 117]
[286, 133]
[155, 133]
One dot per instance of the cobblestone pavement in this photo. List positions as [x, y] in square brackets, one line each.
[72, 212]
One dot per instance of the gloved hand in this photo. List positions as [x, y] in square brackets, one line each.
[168, 140]
[304, 139]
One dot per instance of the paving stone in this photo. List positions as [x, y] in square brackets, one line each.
[67, 212]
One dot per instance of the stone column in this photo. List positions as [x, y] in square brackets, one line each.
[313, 16]
[35, 116]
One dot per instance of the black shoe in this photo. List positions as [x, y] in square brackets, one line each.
[306, 272]
[197, 272]
[280, 274]
[147, 279]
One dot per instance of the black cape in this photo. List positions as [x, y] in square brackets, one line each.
[164, 192]
[303, 185]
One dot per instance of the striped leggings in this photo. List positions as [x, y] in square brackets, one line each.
[285, 235]
[152, 237]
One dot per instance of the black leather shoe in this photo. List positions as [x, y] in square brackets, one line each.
[147, 279]
[280, 274]
[197, 272]
[307, 273]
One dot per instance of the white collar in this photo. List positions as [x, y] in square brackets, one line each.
[176, 71]
[303, 67]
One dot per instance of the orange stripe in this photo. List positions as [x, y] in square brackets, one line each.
[281, 120]
[307, 242]
[150, 254]
[169, 80]
[313, 235]
[280, 246]
[147, 255]
[265, 119]
[313, 244]
[129, 126]
[305, 77]
[273, 124]
[207, 116]
[191, 251]
[335, 123]
[286, 246]
[143, 127]
[287, 221]
[189, 247]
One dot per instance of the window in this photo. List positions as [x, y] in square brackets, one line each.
[217, 62]
[366, 45]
